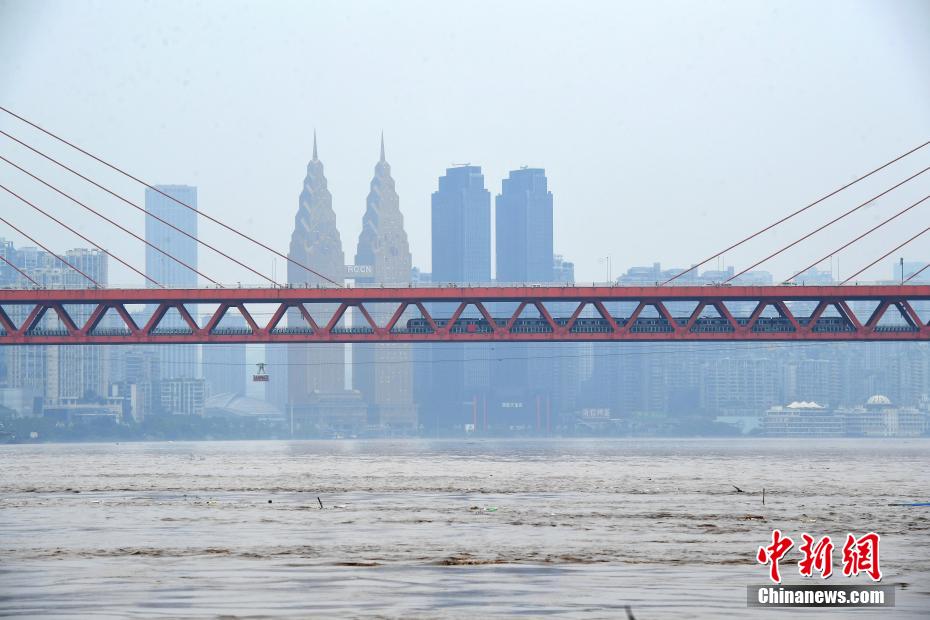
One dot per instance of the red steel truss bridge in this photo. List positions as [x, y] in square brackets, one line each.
[469, 314]
[673, 310]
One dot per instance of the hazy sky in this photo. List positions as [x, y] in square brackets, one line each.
[667, 130]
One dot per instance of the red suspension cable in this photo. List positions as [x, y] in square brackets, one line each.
[830, 223]
[21, 272]
[916, 273]
[790, 215]
[95, 283]
[129, 202]
[889, 253]
[118, 225]
[868, 232]
[153, 188]
[96, 245]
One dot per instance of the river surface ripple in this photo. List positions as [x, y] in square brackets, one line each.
[450, 529]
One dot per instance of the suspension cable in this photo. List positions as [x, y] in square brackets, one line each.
[129, 202]
[868, 232]
[117, 224]
[96, 245]
[787, 217]
[888, 253]
[95, 283]
[830, 223]
[155, 189]
[916, 273]
[21, 272]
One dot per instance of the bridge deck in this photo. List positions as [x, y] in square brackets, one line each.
[428, 314]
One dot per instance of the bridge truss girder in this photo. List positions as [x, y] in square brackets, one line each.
[559, 313]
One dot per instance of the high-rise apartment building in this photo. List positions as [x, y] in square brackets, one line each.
[182, 396]
[83, 371]
[563, 271]
[56, 373]
[140, 380]
[178, 360]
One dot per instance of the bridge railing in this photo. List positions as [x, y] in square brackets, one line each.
[454, 285]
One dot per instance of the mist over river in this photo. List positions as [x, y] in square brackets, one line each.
[449, 529]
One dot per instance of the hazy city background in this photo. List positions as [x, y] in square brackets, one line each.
[665, 128]
[527, 142]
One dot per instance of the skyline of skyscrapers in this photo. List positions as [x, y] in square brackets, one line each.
[441, 387]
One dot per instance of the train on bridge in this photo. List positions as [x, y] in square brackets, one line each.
[472, 314]
[640, 325]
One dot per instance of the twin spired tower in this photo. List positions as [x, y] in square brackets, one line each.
[315, 242]
[381, 373]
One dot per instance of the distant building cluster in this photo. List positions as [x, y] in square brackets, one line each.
[451, 388]
[84, 383]
[398, 388]
[877, 417]
[727, 388]
[654, 274]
